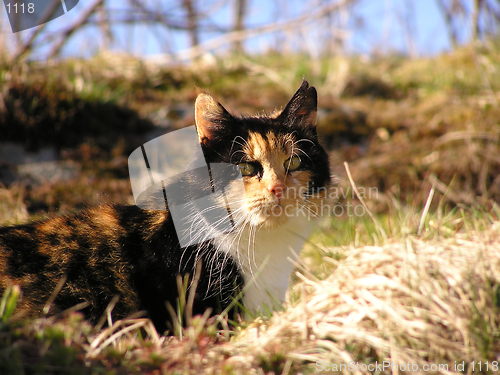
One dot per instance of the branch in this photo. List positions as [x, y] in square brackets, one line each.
[475, 21]
[240, 8]
[448, 19]
[192, 21]
[66, 34]
[241, 35]
[105, 26]
[28, 45]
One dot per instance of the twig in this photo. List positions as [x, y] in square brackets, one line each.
[192, 21]
[192, 293]
[54, 294]
[448, 193]
[107, 313]
[448, 19]
[375, 221]
[475, 31]
[105, 27]
[97, 348]
[426, 210]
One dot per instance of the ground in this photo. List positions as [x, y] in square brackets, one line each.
[412, 279]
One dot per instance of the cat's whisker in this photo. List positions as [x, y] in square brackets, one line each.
[240, 231]
[235, 153]
[252, 239]
[238, 236]
[197, 217]
[309, 209]
[295, 143]
[305, 154]
[248, 247]
[200, 233]
[245, 142]
[289, 160]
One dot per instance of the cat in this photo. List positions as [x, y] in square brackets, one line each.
[133, 254]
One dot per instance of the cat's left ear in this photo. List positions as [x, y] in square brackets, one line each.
[210, 116]
[302, 108]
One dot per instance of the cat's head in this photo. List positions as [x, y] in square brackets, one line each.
[285, 170]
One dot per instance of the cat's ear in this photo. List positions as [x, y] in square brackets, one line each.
[210, 117]
[302, 107]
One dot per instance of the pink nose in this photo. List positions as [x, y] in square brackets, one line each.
[277, 188]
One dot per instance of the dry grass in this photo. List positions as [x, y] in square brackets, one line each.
[406, 302]
[410, 302]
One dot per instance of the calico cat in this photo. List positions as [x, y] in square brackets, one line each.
[134, 254]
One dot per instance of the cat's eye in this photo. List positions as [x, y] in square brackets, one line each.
[293, 163]
[247, 169]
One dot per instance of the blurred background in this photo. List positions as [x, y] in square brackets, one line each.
[409, 97]
[177, 30]
[408, 92]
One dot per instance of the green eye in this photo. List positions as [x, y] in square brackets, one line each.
[293, 163]
[247, 169]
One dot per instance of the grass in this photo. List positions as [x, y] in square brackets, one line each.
[427, 299]
[416, 283]
[407, 116]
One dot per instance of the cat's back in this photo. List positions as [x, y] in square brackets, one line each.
[88, 257]
[108, 252]
[96, 232]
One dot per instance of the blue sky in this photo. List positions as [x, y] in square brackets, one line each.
[373, 25]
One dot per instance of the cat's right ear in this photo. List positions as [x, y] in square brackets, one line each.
[210, 117]
[302, 107]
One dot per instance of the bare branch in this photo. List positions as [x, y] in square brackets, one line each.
[192, 22]
[105, 26]
[81, 21]
[27, 46]
[236, 36]
[448, 19]
[239, 17]
[474, 35]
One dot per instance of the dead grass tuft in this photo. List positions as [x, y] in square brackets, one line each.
[409, 302]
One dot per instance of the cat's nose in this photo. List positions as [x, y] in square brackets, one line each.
[277, 189]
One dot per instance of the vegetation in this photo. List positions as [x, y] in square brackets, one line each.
[415, 279]
[428, 300]
[411, 117]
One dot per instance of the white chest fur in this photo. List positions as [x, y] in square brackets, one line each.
[265, 258]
